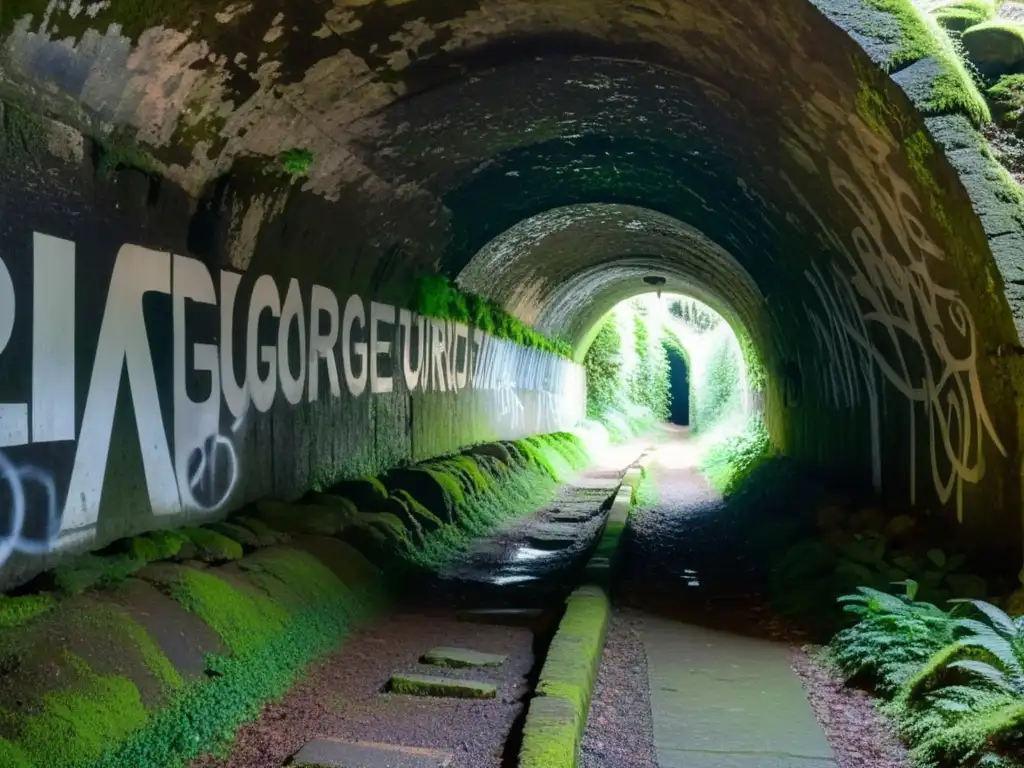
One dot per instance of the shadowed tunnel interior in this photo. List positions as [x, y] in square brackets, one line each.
[218, 219]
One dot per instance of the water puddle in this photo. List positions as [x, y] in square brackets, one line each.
[502, 581]
[529, 554]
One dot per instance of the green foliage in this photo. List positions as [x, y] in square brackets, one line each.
[603, 365]
[440, 298]
[695, 314]
[730, 462]
[893, 639]
[648, 382]
[16, 611]
[719, 396]
[297, 162]
[954, 681]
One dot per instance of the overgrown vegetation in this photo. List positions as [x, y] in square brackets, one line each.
[440, 298]
[273, 610]
[953, 679]
[731, 461]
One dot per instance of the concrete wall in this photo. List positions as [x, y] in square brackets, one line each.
[142, 387]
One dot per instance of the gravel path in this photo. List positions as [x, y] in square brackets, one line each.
[860, 736]
[619, 729]
[341, 696]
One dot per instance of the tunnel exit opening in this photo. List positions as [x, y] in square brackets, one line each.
[679, 386]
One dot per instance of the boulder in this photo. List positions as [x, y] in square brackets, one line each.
[995, 47]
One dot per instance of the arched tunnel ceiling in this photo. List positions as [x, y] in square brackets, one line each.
[563, 269]
[822, 144]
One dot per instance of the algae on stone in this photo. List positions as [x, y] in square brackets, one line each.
[442, 687]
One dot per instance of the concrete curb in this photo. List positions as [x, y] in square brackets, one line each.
[557, 715]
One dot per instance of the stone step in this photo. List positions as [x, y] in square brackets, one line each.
[462, 657]
[507, 617]
[444, 687]
[334, 753]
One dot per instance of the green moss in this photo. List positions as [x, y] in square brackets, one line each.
[213, 546]
[449, 484]
[168, 543]
[17, 611]
[377, 485]
[416, 508]
[239, 533]
[953, 91]
[243, 620]
[958, 16]
[117, 152]
[297, 162]
[92, 570]
[552, 736]
[143, 548]
[77, 724]
[440, 298]
[153, 657]
[23, 135]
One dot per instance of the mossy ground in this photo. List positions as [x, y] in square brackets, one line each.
[274, 610]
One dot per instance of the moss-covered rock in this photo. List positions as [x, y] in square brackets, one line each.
[267, 536]
[447, 687]
[422, 486]
[213, 547]
[239, 533]
[995, 47]
[957, 16]
[494, 450]
[554, 729]
[1007, 97]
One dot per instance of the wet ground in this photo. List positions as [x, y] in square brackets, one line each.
[533, 561]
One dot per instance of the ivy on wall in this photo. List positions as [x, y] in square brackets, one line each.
[649, 384]
[603, 366]
[440, 298]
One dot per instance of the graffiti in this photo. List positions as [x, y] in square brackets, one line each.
[203, 358]
[20, 488]
[887, 318]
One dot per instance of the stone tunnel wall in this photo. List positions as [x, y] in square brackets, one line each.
[142, 387]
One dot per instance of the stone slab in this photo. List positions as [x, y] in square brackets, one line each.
[507, 617]
[720, 700]
[334, 753]
[441, 687]
[462, 657]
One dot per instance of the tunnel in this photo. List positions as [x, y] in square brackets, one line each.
[252, 253]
